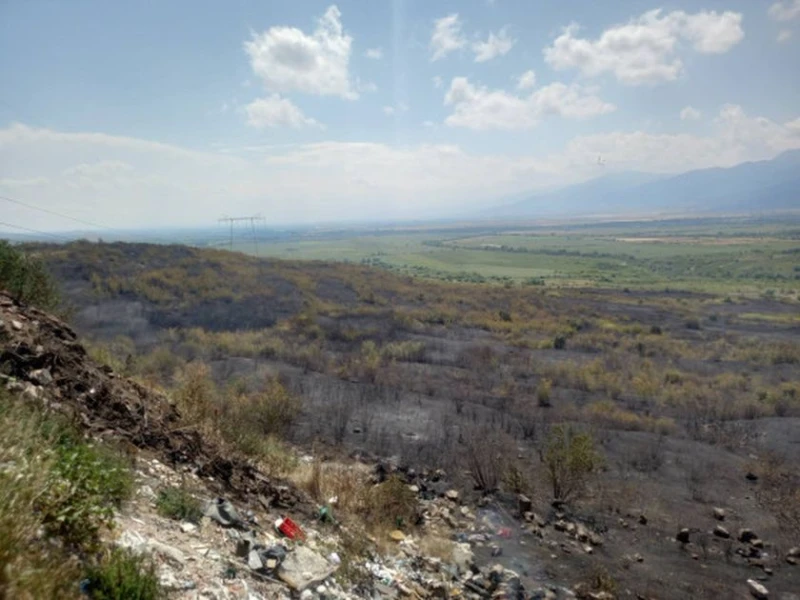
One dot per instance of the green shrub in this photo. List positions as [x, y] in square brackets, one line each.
[26, 279]
[29, 567]
[123, 575]
[87, 482]
[569, 458]
[179, 504]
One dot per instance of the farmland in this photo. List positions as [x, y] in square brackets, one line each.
[730, 256]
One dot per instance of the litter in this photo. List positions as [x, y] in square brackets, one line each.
[224, 513]
[289, 528]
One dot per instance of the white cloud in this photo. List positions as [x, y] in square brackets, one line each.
[397, 109]
[785, 10]
[446, 37]
[784, 35]
[527, 80]
[438, 82]
[494, 46]
[736, 138]
[643, 51]
[367, 86]
[477, 107]
[690, 114]
[374, 53]
[130, 182]
[274, 111]
[287, 60]
[429, 124]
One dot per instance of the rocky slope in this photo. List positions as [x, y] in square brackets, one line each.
[234, 550]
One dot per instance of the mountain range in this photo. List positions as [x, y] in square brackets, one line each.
[767, 185]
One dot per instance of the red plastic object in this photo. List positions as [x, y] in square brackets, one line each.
[291, 529]
[504, 532]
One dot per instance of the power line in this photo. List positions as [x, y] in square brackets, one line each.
[83, 221]
[52, 235]
[252, 220]
[52, 212]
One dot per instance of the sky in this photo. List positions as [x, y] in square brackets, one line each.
[157, 114]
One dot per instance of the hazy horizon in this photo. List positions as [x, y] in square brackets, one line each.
[134, 116]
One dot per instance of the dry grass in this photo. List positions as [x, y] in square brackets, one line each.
[437, 547]
[30, 566]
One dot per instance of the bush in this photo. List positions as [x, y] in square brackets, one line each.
[26, 279]
[484, 453]
[196, 394]
[390, 504]
[543, 392]
[179, 504]
[123, 575]
[270, 412]
[87, 482]
[29, 567]
[569, 458]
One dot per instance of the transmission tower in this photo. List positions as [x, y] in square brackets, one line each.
[253, 220]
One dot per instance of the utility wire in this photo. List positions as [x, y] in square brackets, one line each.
[52, 235]
[82, 221]
[52, 212]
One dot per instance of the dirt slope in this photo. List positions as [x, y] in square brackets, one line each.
[45, 359]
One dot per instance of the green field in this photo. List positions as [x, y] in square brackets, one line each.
[722, 256]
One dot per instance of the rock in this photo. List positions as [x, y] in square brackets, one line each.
[719, 514]
[171, 553]
[452, 495]
[41, 376]
[757, 543]
[524, 503]
[560, 525]
[304, 568]
[397, 535]
[642, 519]
[463, 557]
[683, 536]
[792, 560]
[171, 583]
[638, 557]
[757, 590]
[794, 552]
[132, 540]
[746, 535]
[30, 392]
[187, 527]
[751, 476]
[16, 325]
[721, 532]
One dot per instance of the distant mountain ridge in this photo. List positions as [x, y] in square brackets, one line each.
[753, 186]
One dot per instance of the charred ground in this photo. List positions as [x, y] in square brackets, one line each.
[684, 393]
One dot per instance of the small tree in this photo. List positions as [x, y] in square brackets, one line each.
[26, 278]
[569, 457]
